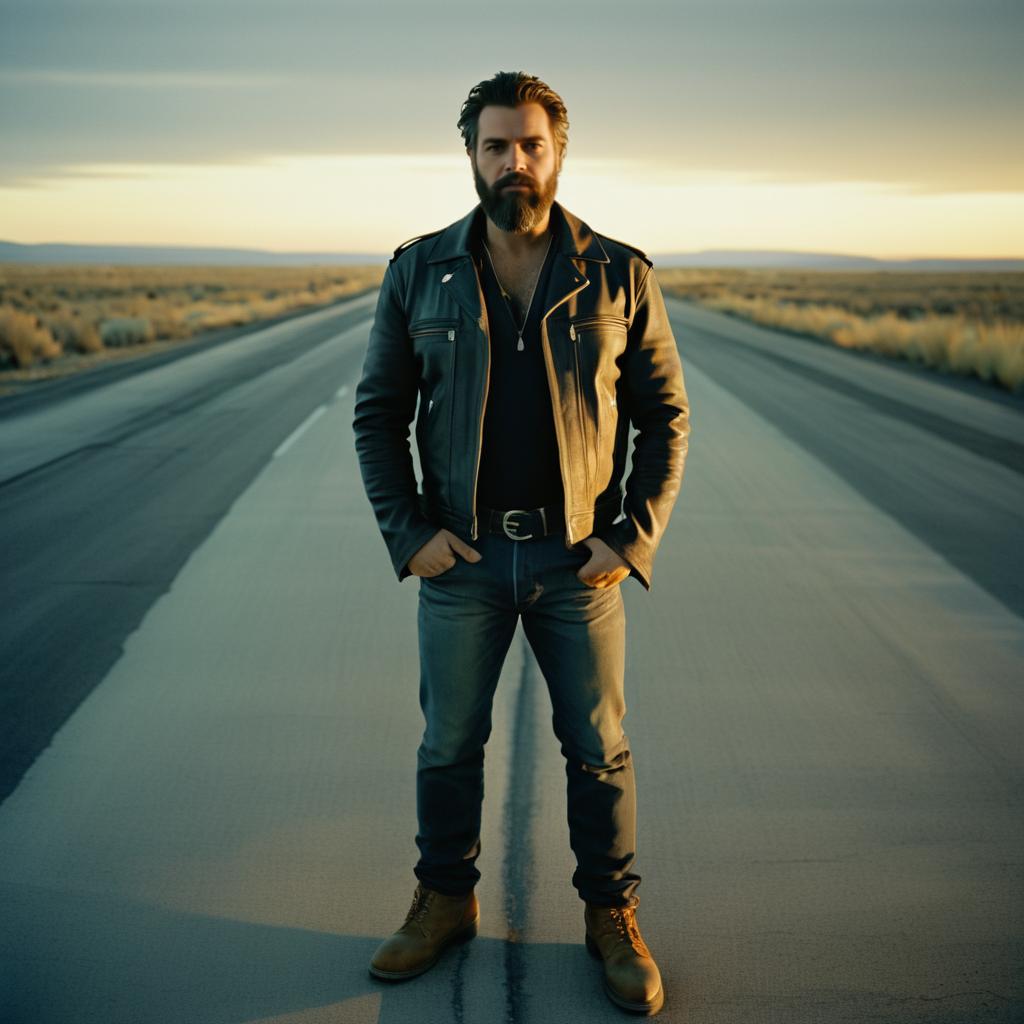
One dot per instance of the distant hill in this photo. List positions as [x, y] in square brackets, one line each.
[54, 252]
[782, 260]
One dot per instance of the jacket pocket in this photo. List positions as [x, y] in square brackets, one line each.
[438, 328]
[434, 342]
[606, 320]
[598, 341]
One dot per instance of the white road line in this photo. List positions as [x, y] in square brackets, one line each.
[300, 430]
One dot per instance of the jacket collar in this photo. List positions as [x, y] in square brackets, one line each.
[573, 237]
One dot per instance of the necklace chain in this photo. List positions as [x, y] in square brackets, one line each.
[519, 330]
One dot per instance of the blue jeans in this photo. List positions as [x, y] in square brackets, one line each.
[467, 617]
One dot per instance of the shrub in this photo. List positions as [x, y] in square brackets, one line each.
[23, 340]
[126, 330]
[73, 333]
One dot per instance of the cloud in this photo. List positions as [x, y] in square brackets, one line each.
[920, 93]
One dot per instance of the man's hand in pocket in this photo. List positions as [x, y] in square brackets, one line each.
[604, 568]
[439, 554]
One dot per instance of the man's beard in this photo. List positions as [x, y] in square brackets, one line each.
[517, 212]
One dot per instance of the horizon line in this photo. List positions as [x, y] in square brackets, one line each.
[386, 253]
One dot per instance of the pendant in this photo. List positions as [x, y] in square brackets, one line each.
[520, 345]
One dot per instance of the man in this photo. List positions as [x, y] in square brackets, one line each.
[531, 343]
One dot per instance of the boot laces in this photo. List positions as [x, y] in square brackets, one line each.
[420, 904]
[625, 924]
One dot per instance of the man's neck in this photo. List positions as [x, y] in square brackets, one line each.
[515, 246]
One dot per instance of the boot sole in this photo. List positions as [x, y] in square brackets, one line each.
[652, 1007]
[455, 939]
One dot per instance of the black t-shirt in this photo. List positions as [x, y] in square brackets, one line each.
[519, 461]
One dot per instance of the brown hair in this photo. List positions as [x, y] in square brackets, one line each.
[509, 89]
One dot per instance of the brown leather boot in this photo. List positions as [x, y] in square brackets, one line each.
[434, 922]
[631, 977]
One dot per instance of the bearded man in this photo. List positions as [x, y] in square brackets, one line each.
[531, 343]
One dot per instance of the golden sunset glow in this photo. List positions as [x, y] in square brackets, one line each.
[372, 203]
[877, 130]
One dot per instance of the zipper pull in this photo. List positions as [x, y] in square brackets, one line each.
[451, 333]
[572, 331]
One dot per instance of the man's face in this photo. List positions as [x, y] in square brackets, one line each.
[515, 147]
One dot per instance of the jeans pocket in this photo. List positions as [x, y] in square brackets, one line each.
[583, 553]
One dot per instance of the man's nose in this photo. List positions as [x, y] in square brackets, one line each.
[516, 161]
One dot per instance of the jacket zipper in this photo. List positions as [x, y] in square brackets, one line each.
[451, 337]
[450, 332]
[451, 405]
[579, 401]
[440, 329]
[474, 531]
[591, 321]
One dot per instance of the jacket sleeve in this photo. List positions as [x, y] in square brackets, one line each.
[385, 404]
[658, 407]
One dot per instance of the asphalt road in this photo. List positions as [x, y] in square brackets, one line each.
[209, 707]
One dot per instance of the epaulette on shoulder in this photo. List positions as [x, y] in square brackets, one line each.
[647, 259]
[409, 243]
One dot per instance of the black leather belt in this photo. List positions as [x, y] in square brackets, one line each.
[522, 524]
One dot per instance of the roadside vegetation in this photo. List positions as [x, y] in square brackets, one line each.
[961, 323]
[56, 319]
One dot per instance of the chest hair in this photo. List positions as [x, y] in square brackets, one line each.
[517, 277]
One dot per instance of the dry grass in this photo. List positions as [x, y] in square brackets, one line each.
[58, 319]
[971, 324]
[54, 318]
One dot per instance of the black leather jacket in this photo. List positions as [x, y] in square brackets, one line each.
[611, 358]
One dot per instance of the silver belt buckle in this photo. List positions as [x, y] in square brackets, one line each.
[504, 524]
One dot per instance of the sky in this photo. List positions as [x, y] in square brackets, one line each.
[888, 129]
